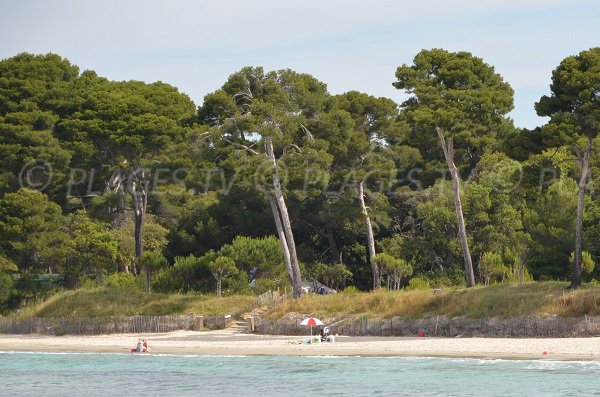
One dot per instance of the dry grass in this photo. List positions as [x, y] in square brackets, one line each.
[99, 302]
[500, 300]
[585, 301]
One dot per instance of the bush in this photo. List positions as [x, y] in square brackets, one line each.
[7, 291]
[542, 270]
[450, 277]
[124, 281]
[85, 282]
[418, 283]
[266, 284]
[189, 273]
[351, 290]
[492, 267]
[227, 274]
[587, 262]
[33, 287]
[334, 276]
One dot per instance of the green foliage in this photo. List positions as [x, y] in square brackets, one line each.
[151, 262]
[94, 249]
[154, 238]
[187, 274]
[32, 91]
[32, 230]
[395, 269]
[351, 290]
[519, 210]
[7, 290]
[492, 267]
[552, 231]
[124, 282]
[260, 256]
[418, 283]
[221, 268]
[459, 94]
[7, 265]
[264, 284]
[573, 105]
[335, 276]
[574, 110]
[32, 287]
[587, 265]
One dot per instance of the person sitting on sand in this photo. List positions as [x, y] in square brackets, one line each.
[145, 348]
[138, 347]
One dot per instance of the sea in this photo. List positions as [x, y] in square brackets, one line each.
[92, 374]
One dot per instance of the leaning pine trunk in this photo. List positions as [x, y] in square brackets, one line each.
[583, 180]
[282, 239]
[462, 232]
[285, 222]
[370, 238]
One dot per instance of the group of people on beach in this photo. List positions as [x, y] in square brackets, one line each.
[142, 346]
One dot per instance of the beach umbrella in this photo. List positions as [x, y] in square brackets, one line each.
[312, 322]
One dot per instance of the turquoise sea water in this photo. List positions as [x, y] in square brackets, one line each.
[75, 374]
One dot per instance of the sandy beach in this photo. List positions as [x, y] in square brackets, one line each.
[225, 343]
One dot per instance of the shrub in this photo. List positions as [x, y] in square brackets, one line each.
[587, 262]
[221, 268]
[238, 283]
[86, 282]
[394, 268]
[7, 290]
[334, 276]
[418, 283]
[351, 290]
[124, 281]
[189, 273]
[152, 262]
[267, 284]
[491, 266]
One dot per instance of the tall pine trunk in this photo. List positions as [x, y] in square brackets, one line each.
[138, 188]
[219, 285]
[286, 224]
[448, 149]
[370, 239]
[333, 248]
[139, 233]
[584, 159]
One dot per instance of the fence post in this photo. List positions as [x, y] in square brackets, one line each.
[199, 323]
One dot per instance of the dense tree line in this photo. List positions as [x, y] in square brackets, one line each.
[273, 181]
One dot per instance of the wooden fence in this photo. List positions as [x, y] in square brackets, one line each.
[108, 325]
[552, 326]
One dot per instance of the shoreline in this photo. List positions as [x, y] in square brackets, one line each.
[229, 344]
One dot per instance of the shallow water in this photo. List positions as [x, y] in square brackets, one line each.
[91, 374]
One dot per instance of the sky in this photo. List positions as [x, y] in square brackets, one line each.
[348, 44]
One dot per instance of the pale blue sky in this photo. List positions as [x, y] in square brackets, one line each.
[348, 44]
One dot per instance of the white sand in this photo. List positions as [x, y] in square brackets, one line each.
[223, 342]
